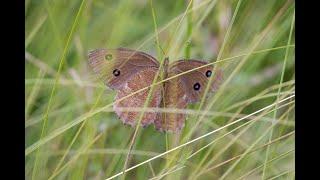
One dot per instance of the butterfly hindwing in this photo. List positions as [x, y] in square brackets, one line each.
[140, 80]
[176, 100]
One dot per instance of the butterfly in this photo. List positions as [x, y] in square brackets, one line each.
[128, 71]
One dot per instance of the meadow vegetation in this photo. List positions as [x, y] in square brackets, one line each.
[246, 130]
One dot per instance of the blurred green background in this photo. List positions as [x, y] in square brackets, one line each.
[71, 131]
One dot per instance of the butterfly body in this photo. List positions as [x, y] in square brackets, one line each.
[127, 71]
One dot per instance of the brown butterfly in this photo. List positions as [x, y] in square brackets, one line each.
[128, 71]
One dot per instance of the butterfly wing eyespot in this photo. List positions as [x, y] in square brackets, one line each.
[209, 73]
[108, 57]
[197, 86]
[116, 72]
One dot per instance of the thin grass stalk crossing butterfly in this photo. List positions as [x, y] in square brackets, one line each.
[128, 71]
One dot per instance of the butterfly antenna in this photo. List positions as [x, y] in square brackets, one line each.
[166, 59]
[161, 49]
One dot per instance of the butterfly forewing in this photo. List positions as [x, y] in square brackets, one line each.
[116, 66]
